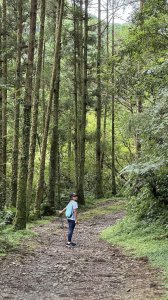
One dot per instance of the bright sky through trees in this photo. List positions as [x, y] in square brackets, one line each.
[122, 15]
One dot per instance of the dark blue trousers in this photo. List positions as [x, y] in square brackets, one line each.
[71, 224]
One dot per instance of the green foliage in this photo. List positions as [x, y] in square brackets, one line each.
[7, 216]
[148, 182]
[141, 64]
[143, 76]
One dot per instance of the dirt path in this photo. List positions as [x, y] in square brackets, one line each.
[91, 271]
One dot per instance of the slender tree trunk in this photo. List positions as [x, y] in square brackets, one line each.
[33, 135]
[54, 150]
[139, 100]
[84, 104]
[69, 144]
[107, 94]
[137, 139]
[15, 151]
[76, 97]
[104, 136]
[20, 220]
[99, 190]
[113, 109]
[43, 90]
[4, 97]
[80, 81]
[58, 188]
[1, 144]
[40, 185]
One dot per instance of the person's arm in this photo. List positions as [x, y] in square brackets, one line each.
[62, 211]
[76, 215]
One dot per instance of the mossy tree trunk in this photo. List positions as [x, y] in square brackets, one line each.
[43, 89]
[79, 68]
[4, 96]
[104, 138]
[53, 199]
[76, 138]
[36, 96]
[107, 89]
[70, 143]
[15, 151]
[21, 211]
[113, 183]
[84, 104]
[99, 189]
[1, 145]
[40, 185]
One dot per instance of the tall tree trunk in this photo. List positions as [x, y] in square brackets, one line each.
[99, 190]
[15, 151]
[1, 144]
[137, 139]
[40, 185]
[80, 81]
[76, 96]
[84, 104]
[53, 201]
[43, 89]
[107, 93]
[33, 134]
[139, 100]
[69, 144]
[104, 137]
[20, 220]
[4, 96]
[113, 183]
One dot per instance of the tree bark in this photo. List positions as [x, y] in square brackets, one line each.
[99, 190]
[76, 97]
[15, 151]
[69, 143]
[33, 134]
[21, 211]
[1, 143]
[104, 137]
[139, 100]
[4, 97]
[113, 183]
[53, 201]
[43, 89]
[84, 104]
[107, 93]
[40, 185]
[80, 79]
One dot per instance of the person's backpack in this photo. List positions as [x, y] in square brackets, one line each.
[69, 211]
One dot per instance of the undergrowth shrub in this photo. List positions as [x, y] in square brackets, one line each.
[148, 196]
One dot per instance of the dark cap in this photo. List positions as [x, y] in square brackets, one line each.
[72, 195]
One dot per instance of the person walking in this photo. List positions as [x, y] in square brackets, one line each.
[71, 212]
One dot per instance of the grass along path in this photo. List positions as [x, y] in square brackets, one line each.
[43, 268]
[143, 240]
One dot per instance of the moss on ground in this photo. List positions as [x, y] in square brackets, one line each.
[10, 238]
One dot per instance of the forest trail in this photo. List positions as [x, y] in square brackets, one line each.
[93, 270]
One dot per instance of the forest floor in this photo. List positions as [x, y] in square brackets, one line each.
[43, 268]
